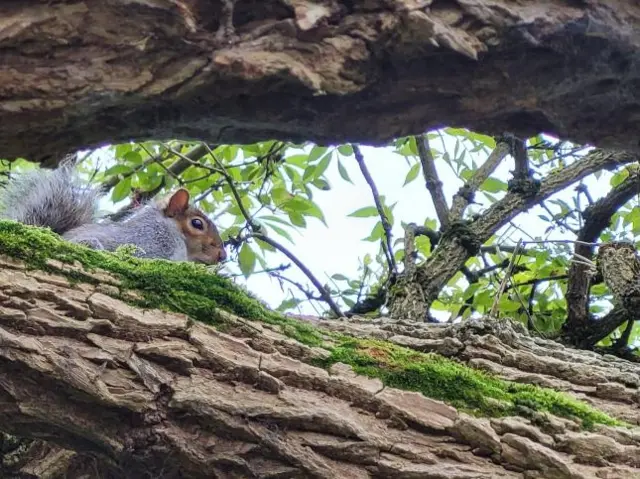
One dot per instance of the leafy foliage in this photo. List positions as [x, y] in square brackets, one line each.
[266, 193]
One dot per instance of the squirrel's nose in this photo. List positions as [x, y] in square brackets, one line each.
[222, 255]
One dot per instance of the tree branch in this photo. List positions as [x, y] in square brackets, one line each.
[432, 181]
[383, 217]
[597, 218]
[321, 289]
[465, 195]
[450, 255]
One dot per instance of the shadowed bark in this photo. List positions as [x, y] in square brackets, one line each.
[75, 74]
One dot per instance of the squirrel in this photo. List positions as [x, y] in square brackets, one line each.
[170, 228]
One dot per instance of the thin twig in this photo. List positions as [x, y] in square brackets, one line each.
[464, 196]
[321, 289]
[376, 198]
[537, 281]
[303, 290]
[432, 181]
[524, 306]
[255, 233]
[221, 169]
[560, 242]
[503, 283]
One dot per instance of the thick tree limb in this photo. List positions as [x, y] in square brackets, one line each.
[597, 217]
[79, 74]
[450, 255]
[120, 392]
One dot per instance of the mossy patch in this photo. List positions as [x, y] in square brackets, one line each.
[171, 286]
[191, 289]
[467, 389]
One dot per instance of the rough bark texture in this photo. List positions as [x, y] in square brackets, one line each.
[118, 392]
[580, 328]
[81, 73]
[452, 252]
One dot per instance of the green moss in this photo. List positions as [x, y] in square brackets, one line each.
[171, 286]
[467, 389]
[191, 289]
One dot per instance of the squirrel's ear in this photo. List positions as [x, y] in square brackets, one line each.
[178, 203]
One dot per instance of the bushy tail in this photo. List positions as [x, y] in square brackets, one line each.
[50, 198]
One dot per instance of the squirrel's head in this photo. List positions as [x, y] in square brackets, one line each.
[202, 239]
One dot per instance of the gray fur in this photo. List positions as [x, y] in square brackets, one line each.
[59, 200]
[51, 198]
[155, 235]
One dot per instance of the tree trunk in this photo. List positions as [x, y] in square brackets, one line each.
[117, 391]
[77, 74]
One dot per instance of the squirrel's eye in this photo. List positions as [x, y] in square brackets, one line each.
[197, 223]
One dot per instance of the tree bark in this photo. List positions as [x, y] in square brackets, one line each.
[451, 252]
[76, 74]
[120, 392]
[581, 328]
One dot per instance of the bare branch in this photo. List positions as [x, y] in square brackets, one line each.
[383, 217]
[321, 289]
[503, 211]
[465, 195]
[432, 181]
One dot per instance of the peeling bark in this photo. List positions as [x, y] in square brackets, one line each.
[77, 74]
[120, 392]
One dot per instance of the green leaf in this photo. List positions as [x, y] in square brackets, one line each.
[298, 160]
[377, 233]
[343, 172]
[412, 175]
[365, 212]
[246, 260]
[288, 304]
[493, 185]
[339, 277]
[322, 166]
[619, 177]
[291, 173]
[345, 150]
[121, 190]
[280, 195]
[297, 219]
[274, 218]
[119, 169]
[423, 245]
[321, 184]
[349, 302]
[264, 246]
[281, 232]
[132, 157]
[309, 172]
[316, 153]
